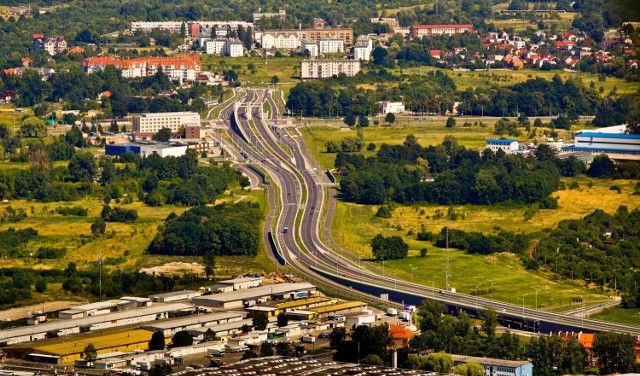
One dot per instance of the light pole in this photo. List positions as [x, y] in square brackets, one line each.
[488, 280]
[523, 295]
[433, 285]
[383, 261]
[582, 301]
[395, 279]
[476, 289]
[536, 298]
[412, 269]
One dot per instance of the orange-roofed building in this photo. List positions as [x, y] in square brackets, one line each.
[26, 62]
[181, 68]
[400, 336]
[75, 50]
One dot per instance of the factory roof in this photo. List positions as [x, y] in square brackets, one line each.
[489, 361]
[609, 135]
[239, 280]
[338, 307]
[92, 320]
[501, 141]
[276, 289]
[173, 293]
[301, 302]
[175, 323]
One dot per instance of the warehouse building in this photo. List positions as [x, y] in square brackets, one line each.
[237, 299]
[174, 296]
[85, 310]
[317, 301]
[171, 327]
[147, 148]
[497, 367]
[58, 328]
[67, 350]
[339, 309]
[617, 146]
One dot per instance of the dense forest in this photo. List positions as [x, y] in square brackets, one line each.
[461, 176]
[225, 229]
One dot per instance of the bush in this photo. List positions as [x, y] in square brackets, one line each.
[50, 253]
[72, 210]
[118, 214]
[383, 212]
[423, 252]
[549, 203]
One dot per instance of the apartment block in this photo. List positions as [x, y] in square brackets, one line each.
[151, 123]
[313, 69]
[179, 68]
[363, 48]
[53, 46]
[419, 31]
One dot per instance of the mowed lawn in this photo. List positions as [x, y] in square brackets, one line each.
[619, 315]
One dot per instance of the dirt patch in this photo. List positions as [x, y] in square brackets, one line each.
[175, 268]
[18, 313]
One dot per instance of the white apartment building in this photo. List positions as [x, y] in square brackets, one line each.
[331, 45]
[363, 48]
[311, 46]
[233, 48]
[280, 40]
[214, 46]
[312, 69]
[387, 107]
[151, 123]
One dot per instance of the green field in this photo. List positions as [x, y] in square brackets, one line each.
[283, 67]
[619, 315]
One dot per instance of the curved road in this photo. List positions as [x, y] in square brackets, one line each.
[302, 246]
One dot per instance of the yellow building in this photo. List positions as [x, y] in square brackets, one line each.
[69, 349]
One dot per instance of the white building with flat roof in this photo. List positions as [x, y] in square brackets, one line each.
[233, 48]
[316, 68]
[311, 46]
[331, 45]
[151, 123]
[236, 299]
[507, 146]
[214, 46]
[174, 296]
[387, 107]
[363, 48]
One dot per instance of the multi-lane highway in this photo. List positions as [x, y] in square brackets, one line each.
[304, 239]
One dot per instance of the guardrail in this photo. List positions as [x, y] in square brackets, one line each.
[331, 176]
[260, 173]
[276, 251]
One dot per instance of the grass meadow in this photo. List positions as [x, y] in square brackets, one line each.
[619, 315]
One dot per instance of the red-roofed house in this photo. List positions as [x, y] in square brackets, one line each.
[400, 336]
[181, 68]
[436, 53]
[26, 62]
[75, 50]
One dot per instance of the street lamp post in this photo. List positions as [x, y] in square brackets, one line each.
[476, 289]
[383, 261]
[395, 279]
[433, 285]
[412, 269]
[523, 295]
[492, 282]
[536, 298]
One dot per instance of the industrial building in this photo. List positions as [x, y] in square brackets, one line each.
[387, 107]
[307, 366]
[340, 308]
[58, 328]
[317, 301]
[85, 310]
[618, 146]
[147, 148]
[237, 299]
[67, 350]
[174, 296]
[171, 327]
[497, 367]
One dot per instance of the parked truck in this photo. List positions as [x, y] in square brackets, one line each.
[392, 311]
[405, 315]
[308, 339]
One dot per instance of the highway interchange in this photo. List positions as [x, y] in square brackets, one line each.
[302, 200]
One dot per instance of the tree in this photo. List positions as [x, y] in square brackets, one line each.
[439, 362]
[90, 354]
[260, 320]
[489, 321]
[266, 349]
[285, 349]
[210, 335]
[157, 341]
[379, 55]
[33, 127]
[615, 352]
[602, 167]
[283, 320]
[41, 285]
[182, 338]
[363, 121]
[82, 166]
[373, 360]
[337, 336]
[163, 135]
[275, 79]
[98, 227]
[430, 313]
[350, 120]
[451, 122]
[470, 369]
[209, 262]
[390, 118]
[74, 137]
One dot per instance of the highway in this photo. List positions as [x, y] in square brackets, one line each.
[297, 205]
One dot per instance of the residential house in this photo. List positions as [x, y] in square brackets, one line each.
[419, 31]
[53, 46]
[363, 48]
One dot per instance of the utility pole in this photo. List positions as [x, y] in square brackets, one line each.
[446, 271]
[100, 277]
